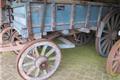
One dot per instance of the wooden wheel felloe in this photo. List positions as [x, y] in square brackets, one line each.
[38, 60]
[82, 38]
[113, 61]
[107, 33]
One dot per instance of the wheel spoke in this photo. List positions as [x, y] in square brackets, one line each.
[45, 72]
[104, 43]
[115, 67]
[105, 31]
[9, 33]
[28, 64]
[117, 19]
[118, 52]
[36, 52]
[51, 65]
[30, 57]
[117, 25]
[37, 72]
[112, 21]
[105, 48]
[117, 58]
[109, 26]
[103, 38]
[50, 52]
[112, 43]
[43, 50]
[109, 47]
[114, 64]
[30, 70]
[52, 58]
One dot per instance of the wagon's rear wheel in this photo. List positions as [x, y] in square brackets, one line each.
[38, 60]
[107, 33]
[82, 38]
[6, 35]
[113, 61]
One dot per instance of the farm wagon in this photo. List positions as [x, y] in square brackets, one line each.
[33, 25]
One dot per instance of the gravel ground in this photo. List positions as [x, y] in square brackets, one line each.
[80, 63]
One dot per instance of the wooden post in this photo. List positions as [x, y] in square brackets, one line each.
[87, 16]
[53, 23]
[42, 23]
[30, 32]
[72, 16]
[100, 14]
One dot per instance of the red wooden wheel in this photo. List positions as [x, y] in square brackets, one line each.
[113, 61]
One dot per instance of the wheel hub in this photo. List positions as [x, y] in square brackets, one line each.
[113, 35]
[41, 62]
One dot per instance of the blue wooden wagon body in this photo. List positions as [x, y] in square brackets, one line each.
[57, 16]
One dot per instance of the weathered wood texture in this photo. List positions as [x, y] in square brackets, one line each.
[106, 1]
[69, 1]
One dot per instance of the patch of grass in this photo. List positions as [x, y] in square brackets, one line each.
[82, 63]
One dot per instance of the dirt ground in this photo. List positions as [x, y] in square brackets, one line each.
[80, 63]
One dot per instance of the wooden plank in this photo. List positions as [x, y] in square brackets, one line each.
[29, 21]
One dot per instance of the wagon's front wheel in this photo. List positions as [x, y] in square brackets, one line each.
[113, 61]
[107, 33]
[38, 60]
